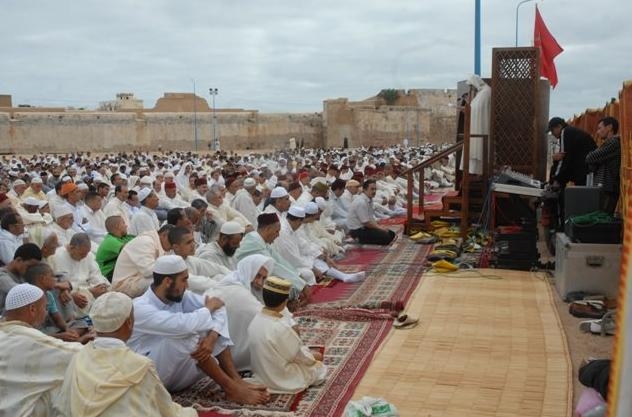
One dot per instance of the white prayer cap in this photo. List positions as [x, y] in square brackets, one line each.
[31, 201]
[250, 182]
[296, 211]
[311, 208]
[278, 192]
[18, 182]
[169, 174]
[22, 295]
[143, 193]
[170, 265]
[37, 180]
[83, 186]
[322, 204]
[66, 178]
[148, 180]
[62, 210]
[232, 228]
[109, 311]
[122, 176]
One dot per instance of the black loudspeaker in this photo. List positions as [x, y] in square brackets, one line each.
[580, 200]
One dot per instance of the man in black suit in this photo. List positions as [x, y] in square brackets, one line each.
[569, 165]
[570, 162]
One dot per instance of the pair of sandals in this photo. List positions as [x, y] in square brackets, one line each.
[405, 321]
[605, 326]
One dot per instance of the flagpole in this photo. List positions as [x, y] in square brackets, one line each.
[517, 10]
[477, 37]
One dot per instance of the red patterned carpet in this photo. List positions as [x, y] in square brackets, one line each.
[349, 320]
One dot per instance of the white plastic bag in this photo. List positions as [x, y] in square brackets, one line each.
[373, 407]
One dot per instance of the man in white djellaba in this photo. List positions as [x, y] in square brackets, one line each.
[278, 356]
[32, 363]
[186, 335]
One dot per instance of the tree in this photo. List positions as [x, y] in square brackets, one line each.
[389, 95]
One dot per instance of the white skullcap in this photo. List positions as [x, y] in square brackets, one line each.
[83, 186]
[250, 182]
[22, 295]
[37, 180]
[143, 193]
[18, 182]
[62, 210]
[322, 204]
[169, 174]
[311, 208]
[122, 176]
[148, 180]
[109, 311]
[31, 201]
[66, 178]
[170, 265]
[297, 211]
[278, 192]
[232, 228]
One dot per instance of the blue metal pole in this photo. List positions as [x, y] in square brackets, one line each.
[477, 37]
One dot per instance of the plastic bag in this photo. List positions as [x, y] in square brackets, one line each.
[373, 407]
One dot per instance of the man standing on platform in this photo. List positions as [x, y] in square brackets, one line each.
[569, 164]
[605, 161]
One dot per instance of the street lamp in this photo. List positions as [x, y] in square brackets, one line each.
[517, 9]
[213, 92]
[195, 130]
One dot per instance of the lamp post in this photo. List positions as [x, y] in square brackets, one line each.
[517, 10]
[213, 92]
[195, 130]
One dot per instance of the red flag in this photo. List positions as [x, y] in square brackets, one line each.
[549, 48]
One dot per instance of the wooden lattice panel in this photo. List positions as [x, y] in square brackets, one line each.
[515, 120]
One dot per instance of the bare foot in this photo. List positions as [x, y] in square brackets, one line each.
[257, 387]
[244, 395]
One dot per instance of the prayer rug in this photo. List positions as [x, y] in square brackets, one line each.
[388, 285]
[349, 349]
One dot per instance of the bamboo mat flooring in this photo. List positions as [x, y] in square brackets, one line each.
[484, 347]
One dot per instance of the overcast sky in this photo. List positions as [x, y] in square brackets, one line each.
[288, 56]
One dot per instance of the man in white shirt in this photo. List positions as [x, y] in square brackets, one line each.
[222, 212]
[11, 236]
[106, 378]
[145, 218]
[170, 198]
[133, 271]
[203, 274]
[243, 201]
[186, 335]
[361, 219]
[32, 363]
[91, 211]
[79, 266]
[222, 250]
[115, 206]
[279, 202]
[279, 358]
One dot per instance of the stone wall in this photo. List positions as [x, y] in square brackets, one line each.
[170, 125]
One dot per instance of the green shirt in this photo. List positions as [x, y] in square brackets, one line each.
[108, 253]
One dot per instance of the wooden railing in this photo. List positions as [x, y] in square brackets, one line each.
[464, 145]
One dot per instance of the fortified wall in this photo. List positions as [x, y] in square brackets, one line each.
[419, 115]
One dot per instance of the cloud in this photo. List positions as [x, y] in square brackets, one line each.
[284, 56]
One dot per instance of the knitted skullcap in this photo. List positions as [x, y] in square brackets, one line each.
[22, 295]
[109, 311]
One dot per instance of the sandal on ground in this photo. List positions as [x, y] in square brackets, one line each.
[404, 321]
